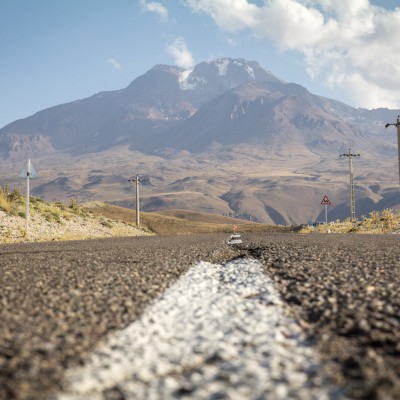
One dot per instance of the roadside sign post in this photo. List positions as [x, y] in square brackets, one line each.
[27, 172]
[326, 202]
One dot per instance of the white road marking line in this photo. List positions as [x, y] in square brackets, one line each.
[220, 331]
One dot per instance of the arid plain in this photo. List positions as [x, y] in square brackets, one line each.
[242, 181]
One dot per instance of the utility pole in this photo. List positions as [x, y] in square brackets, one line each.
[137, 180]
[352, 198]
[397, 125]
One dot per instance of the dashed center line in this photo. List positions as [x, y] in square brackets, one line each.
[221, 331]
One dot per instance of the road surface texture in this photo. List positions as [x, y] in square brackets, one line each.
[59, 302]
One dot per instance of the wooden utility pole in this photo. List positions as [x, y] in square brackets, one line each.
[352, 197]
[397, 125]
[136, 180]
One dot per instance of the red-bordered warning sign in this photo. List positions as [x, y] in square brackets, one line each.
[325, 201]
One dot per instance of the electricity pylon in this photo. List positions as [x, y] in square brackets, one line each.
[137, 180]
[352, 197]
[397, 125]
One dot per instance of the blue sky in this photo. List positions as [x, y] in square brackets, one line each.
[57, 51]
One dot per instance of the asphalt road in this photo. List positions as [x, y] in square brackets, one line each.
[59, 300]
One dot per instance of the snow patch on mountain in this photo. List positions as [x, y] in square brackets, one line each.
[250, 71]
[189, 82]
[246, 67]
[223, 66]
[183, 80]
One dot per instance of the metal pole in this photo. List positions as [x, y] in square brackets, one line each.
[326, 214]
[28, 172]
[137, 201]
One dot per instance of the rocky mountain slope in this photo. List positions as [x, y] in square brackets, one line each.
[226, 137]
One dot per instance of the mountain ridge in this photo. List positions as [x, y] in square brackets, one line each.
[157, 102]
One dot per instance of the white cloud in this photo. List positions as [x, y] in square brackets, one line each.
[116, 64]
[178, 49]
[156, 8]
[352, 45]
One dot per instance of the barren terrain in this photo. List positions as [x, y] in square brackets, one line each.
[239, 181]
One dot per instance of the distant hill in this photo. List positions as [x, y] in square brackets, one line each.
[180, 222]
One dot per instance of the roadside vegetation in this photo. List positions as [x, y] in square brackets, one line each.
[55, 220]
[58, 221]
[11, 201]
[378, 222]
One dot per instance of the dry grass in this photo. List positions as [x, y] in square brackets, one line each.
[386, 221]
[56, 221]
[179, 222]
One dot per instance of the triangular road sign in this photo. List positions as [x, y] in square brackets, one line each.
[325, 201]
[28, 170]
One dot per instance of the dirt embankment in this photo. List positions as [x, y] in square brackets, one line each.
[45, 227]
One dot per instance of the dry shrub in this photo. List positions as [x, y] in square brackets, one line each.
[5, 205]
[388, 219]
[10, 200]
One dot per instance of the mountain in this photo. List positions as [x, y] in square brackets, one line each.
[225, 137]
[137, 115]
[224, 101]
